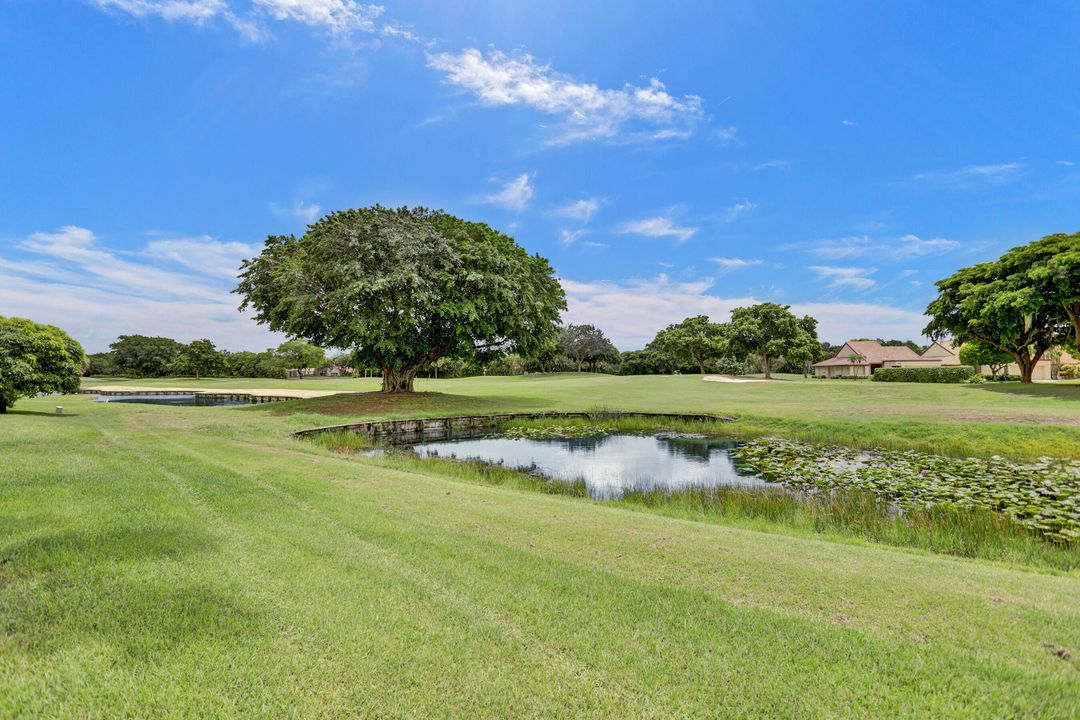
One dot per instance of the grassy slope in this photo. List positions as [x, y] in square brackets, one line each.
[196, 561]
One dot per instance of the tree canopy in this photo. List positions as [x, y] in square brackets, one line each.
[586, 344]
[299, 354]
[977, 354]
[1051, 266]
[36, 359]
[402, 288]
[144, 356]
[199, 358]
[997, 304]
[771, 331]
[694, 341]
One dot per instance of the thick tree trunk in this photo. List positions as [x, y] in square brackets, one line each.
[701, 367]
[3, 406]
[1073, 311]
[397, 381]
[766, 365]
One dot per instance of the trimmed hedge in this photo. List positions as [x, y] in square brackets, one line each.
[951, 374]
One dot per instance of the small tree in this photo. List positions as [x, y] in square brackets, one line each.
[199, 358]
[36, 359]
[586, 344]
[299, 354]
[771, 331]
[978, 354]
[694, 341]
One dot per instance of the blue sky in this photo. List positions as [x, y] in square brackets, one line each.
[670, 159]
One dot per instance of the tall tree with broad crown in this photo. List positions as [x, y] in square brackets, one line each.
[586, 344]
[771, 331]
[1052, 267]
[695, 341]
[996, 303]
[402, 288]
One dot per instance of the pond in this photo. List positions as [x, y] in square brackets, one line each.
[193, 400]
[609, 464]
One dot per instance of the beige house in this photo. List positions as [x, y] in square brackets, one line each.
[860, 358]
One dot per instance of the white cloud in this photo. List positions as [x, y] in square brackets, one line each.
[204, 254]
[845, 277]
[735, 263]
[1066, 163]
[848, 123]
[514, 195]
[339, 18]
[772, 165]
[971, 176]
[728, 135]
[658, 227]
[569, 237]
[586, 111]
[309, 213]
[190, 10]
[905, 247]
[913, 246]
[174, 287]
[579, 210]
[737, 210]
[631, 311]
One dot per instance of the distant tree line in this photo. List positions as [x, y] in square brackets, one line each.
[141, 356]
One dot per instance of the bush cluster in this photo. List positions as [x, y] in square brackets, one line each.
[952, 374]
[1068, 372]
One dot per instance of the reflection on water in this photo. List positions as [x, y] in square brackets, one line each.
[198, 400]
[609, 464]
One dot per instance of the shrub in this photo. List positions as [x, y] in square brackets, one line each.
[952, 374]
[976, 379]
[1069, 372]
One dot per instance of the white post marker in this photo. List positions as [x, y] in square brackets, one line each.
[59, 409]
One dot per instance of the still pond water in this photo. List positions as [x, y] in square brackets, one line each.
[609, 464]
[180, 400]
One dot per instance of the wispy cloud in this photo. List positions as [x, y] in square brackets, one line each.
[737, 210]
[304, 211]
[972, 176]
[1066, 163]
[735, 263]
[905, 247]
[728, 135]
[580, 210]
[631, 311]
[338, 18]
[845, 277]
[658, 227]
[171, 286]
[848, 123]
[771, 165]
[569, 237]
[586, 111]
[514, 195]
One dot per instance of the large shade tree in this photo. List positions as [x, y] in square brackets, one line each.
[586, 344]
[694, 341]
[1051, 266]
[771, 332]
[403, 288]
[36, 359]
[298, 354]
[200, 357]
[144, 356]
[996, 304]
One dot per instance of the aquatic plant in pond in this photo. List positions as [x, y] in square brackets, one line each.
[1043, 496]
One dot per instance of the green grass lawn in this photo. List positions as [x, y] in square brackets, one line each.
[199, 562]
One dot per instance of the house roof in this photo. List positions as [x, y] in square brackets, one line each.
[874, 352]
[944, 345]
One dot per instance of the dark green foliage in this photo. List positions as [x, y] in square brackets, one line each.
[586, 344]
[402, 288]
[1021, 304]
[101, 364]
[983, 355]
[199, 358]
[142, 356]
[642, 362]
[948, 374]
[771, 332]
[36, 359]
[694, 341]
